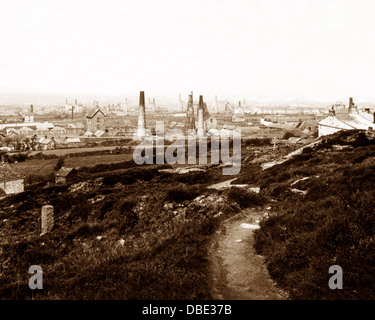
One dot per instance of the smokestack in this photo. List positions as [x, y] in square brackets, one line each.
[200, 131]
[31, 108]
[350, 104]
[142, 115]
[190, 119]
[181, 104]
[142, 98]
[374, 117]
[72, 112]
[75, 102]
[332, 111]
[126, 105]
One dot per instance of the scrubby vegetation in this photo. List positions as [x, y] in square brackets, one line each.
[245, 198]
[23, 156]
[289, 134]
[59, 164]
[332, 224]
[132, 233]
[257, 142]
[124, 231]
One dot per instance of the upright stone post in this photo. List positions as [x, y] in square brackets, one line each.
[47, 219]
[142, 116]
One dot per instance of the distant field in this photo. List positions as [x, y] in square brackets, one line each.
[94, 160]
[33, 167]
[72, 150]
[44, 167]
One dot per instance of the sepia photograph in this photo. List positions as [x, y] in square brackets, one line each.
[192, 152]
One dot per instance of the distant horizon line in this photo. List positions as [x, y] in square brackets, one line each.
[10, 98]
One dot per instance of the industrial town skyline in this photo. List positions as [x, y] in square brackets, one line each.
[272, 50]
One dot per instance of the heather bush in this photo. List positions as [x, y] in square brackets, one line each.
[182, 193]
[245, 198]
[257, 142]
[59, 164]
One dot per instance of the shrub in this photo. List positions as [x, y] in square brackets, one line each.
[59, 164]
[258, 142]
[39, 179]
[19, 157]
[86, 231]
[106, 207]
[245, 198]
[307, 150]
[183, 193]
[128, 222]
[126, 205]
[289, 134]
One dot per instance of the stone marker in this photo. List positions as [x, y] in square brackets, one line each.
[47, 219]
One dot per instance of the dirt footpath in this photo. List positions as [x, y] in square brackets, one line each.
[238, 273]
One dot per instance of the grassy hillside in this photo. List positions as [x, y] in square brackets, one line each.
[134, 233]
[322, 215]
[128, 232]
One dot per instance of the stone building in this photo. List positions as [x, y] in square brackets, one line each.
[10, 181]
[64, 175]
[47, 144]
[95, 120]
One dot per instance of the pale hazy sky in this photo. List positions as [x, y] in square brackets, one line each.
[246, 48]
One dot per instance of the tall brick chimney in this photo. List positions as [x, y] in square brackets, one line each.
[125, 108]
[190, 118]
[350, 108]
[142, 116]
[200, 130]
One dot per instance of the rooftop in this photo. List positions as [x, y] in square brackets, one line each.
[64, 172]
[93, 112]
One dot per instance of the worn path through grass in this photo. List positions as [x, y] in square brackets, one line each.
[238, 273]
